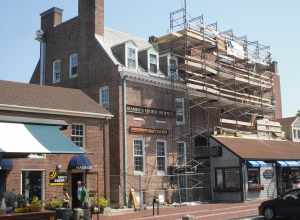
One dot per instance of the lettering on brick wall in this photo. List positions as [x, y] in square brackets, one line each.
[149, 111]
[151, 131]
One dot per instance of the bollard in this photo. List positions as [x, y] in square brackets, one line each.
[188, 217]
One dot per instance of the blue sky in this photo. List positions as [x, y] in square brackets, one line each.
[275, 23]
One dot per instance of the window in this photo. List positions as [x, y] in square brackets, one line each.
[138, 146]
[161, 156]
[104, 96]
[32, 184]
[296, 134]
[181, 153]
[57, 71]
[173, 68]
[153, 63]
[227, 179]
[78, 134]
[73, 62]
[179, 105]
[253, 178]
[131, 58]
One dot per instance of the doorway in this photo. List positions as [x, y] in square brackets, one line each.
[76, 177]
[2, 182]
[32, 185]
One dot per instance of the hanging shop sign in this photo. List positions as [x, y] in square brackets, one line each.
[149, 111]
[268, 174]
[152, 131]
[57, 178]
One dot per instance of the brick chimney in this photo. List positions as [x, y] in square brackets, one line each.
[91, 15]
[51, 18]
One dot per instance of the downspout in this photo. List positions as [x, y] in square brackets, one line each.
[125, 144]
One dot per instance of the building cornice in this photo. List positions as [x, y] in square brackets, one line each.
[30, 109]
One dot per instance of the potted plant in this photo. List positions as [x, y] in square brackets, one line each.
[54, 204]
[102, 204]
[35, 205]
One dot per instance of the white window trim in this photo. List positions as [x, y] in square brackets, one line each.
[183, 121]
[127, 46]
[295, 138]
[157, 61]
[53, 71]
[159, 172]
[100, 96]
[184, 151]
[135, 172]
[84, 134]
[70, 67]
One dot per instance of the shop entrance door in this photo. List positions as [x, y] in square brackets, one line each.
[76, 177]
[2, 182]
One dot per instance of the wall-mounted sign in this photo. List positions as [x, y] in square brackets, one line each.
[268, 174]
[149, 111]
[57, 178]
[152, 131]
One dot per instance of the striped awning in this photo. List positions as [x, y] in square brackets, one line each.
[21, 139]
[253, 163]
[289, 163]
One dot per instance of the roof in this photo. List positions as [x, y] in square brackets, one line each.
[285, 122]
[17, 96]
[255, 149]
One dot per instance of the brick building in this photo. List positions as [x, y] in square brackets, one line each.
[81, 120]
[168, 95]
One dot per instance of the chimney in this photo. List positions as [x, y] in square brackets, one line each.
[91, 15]
[51, 18]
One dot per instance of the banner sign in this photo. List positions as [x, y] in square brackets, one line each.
[149, 111]
[152, 131]
[235, 49]
[57, 178]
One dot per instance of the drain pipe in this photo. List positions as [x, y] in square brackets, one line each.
[40, 38]
[125, 144]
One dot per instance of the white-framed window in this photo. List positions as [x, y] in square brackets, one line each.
[57, 74]
[173, 67]
[138, 156]
[179, 106]
[131, 57]
[153, 63]
[181, 153]
[161, 153]
[78, 134]
[104, 96]
[73, 65]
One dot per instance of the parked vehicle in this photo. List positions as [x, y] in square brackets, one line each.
[286, 205]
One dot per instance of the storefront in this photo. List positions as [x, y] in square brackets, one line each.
[251, 169]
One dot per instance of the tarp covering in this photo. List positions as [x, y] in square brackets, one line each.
[257, 163]
[19, 138]
[289, 163]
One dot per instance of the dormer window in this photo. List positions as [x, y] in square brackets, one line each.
[173, 67]
[131, 57]
[73, 65]
[57, 71]
[153, 63]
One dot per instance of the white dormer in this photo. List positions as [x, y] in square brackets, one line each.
[296, 130]
[149, 60]
[131, 55]
[169, 65]
[127, 54]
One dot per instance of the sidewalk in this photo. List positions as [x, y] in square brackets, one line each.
[217, 211]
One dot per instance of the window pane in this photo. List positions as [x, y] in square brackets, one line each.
[56, 71]
[131, 58]
[181, 153]
[179, 105]
[298, 134]
[74, 64]
[104, 96]
[232, 178]
[32, 184]
[161, 163]
[219, 179]
[161, 149]
[77, 135]
[253, 176]
[138, 155]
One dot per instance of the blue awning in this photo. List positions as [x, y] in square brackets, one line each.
[253, 163]
[20, 138]
[80, 162]
[6, 165]
[289, 163]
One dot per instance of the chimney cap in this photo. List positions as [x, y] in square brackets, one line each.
[52, 10]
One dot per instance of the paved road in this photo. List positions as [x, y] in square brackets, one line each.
[223, 211]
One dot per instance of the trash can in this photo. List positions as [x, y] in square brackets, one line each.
[64, 214]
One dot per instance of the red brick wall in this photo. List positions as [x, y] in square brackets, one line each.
[95, 143]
